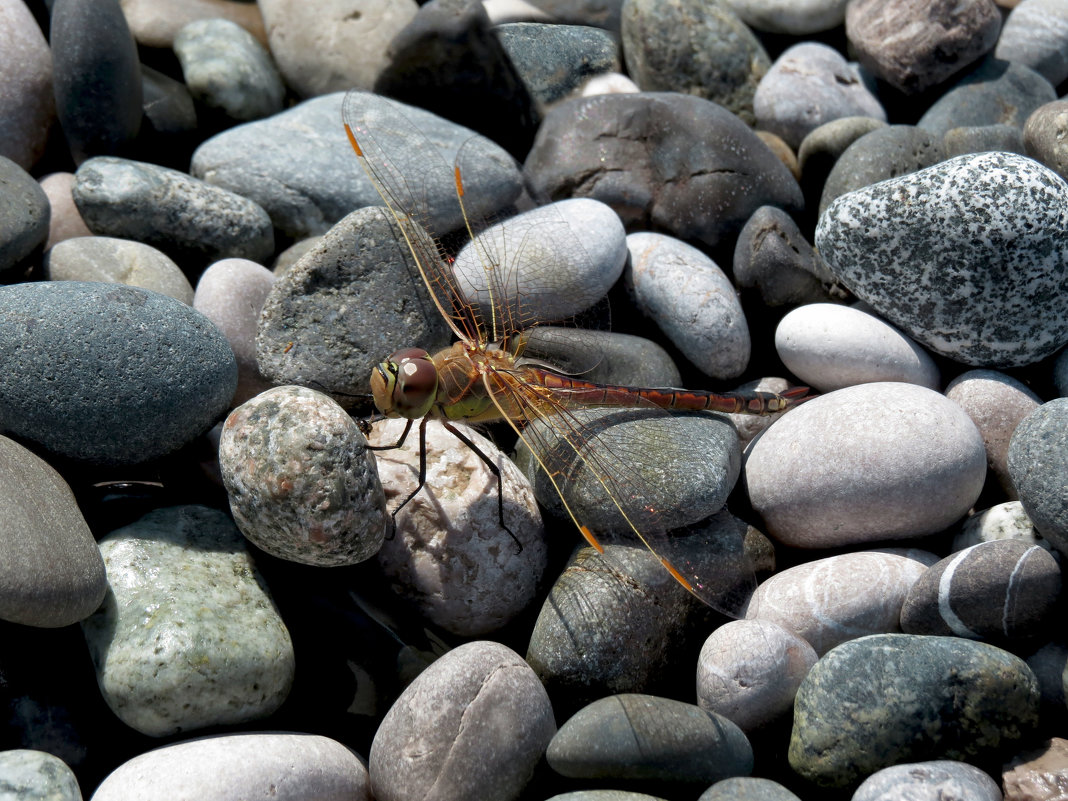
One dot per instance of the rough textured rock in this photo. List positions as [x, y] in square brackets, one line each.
[1038, 467]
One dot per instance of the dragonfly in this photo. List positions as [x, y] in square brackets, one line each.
[487, 374]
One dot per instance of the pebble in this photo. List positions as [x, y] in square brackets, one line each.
[301, 482]
[604, 356]
[270, 765]
[24, 219]
[170, 120]
[996, 403]
[154, 23]
[1045, 136]
[27, 105]
[939, 697]
[473, 725]
[549, 264]
[937, 780]
[51, 574]
[661, 43]
[131, 374]
[749, 425]
[982, 139]
[838, 598]
[1037, 775]
[65, 222]
[809, 85]
[449, 555]
[820, 150]
[337, 47]
[1001, 591]
[710, 174]
[1038, 467]
[1005, 521]
[604, 795]
[299, 166]
[554, 60]
[747, 788]
[28, 775]
[231, 294]
[187, 637]
[649, 738]
[790, 16]
[1048, 664]
[830, 347]
[1036, 34]
[352, 300]
[226, 69]
[749, 672]
[692, 302]
[783, 152]
[987, 304]
[914, 45]
[865, 463]
[117, 261]
[97, 77]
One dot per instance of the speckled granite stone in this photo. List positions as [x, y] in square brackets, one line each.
[27, 775]
[187, 637]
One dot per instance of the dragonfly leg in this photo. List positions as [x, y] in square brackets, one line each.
[497, 474]
[422, 464]
[398, 443]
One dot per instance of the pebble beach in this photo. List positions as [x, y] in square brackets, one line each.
[220, 575]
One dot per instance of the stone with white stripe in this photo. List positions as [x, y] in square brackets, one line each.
[1002, 591]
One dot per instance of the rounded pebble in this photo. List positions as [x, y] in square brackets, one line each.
[1036, 34]
[604, 356]
[29, 775]
[117, 261]
[1006, 521]
[794, 17]
[747, 788]
[65, 222]
[27, 104]
[155, 22]
[938, 780]
[1038, 467]
[868, 462]
[982, 139]
[24, 219]
[1045, 136]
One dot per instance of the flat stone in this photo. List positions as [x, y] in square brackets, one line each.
[1036, 34]
[1038, 467]
[117, 261]
[188, 637]
[937, 779]
[24, 218]
[554, 60]
[36, 776]
[790, 16]
[27, 104]
[1045, 136]
[155, 22]
[931, 252]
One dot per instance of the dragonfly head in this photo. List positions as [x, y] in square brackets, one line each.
[405, 384]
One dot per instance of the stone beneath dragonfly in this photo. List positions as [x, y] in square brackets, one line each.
[545, 265]
[449, 555]
[692, 301]
[302, 484]
[603, 356]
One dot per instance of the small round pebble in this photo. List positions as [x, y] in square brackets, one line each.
[27, 775]
[868, 462]
[267, 766]
[691, 300]
[1038, 467]
[65, 222]
[302, 484]
[821, 148]
[793, 17]
[1006, 521]
[474, 724]
[747, 788]
[938, 780]
[773, 256]
[24, 218]
[604, 795]
[27, 104]
[117, 261]
[1036, 34]
[1045, 136]
[749, 671]
[155, 22]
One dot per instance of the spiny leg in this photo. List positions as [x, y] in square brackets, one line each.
[422, 464]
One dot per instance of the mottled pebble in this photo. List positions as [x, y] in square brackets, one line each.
[749, 671]
[187, 636]
[27, 775]
[747, 788]
[1038, 774]
[1045, 136]
[109, 374]
[301, 482]
[808, 85]
[691, 300]
[646, 737]
[773, 256]
[868, 462]
[938, 780]
[268, 766]
[929, 251]
[155, 22]
[117, 261]
[27, 105]
[1036, 34]
[24, 217]
[554, 60]
[1038, 467]
[830, 347]
[1006, 521]
[472, 725]
[65, 222]
[939, 697]
[794, 17]
[449, 555]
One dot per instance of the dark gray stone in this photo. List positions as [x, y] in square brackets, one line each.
[36, 776]
[51, 574]
[169, 108]
[646, 737]
[773, 257]
[554, 60]
[190, 220]
[1036, 34]
[1038, 466]
[938, 779]
[1045, 136]
[97, 77]
[24, 218]
[747, 788]
[695, 48]
[352, 300]
[922, 697]
[109, 374]
[709, 174]
[982, 139]
[968, 256]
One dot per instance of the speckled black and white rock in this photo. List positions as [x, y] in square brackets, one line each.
[109, 374]
[967, 256]
[352, 300]
[1038, 467]
[1036, 34]
[554, 60]
[554, 261]
[749, 671]
[27, 775]
[1000, 591]
[51, 574]
[646, 737]
[938, 697]
[449, 555]
[276, 765]
[302, 484]
[188, 636]
[839, 598]
[117, 261]
[473, 725]
[929, 781]
[865, 463]
[829, 346]
[773, 256]
[24, 218]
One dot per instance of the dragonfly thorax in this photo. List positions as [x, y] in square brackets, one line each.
[405, 384]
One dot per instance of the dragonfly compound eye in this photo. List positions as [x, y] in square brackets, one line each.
[414, 382]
